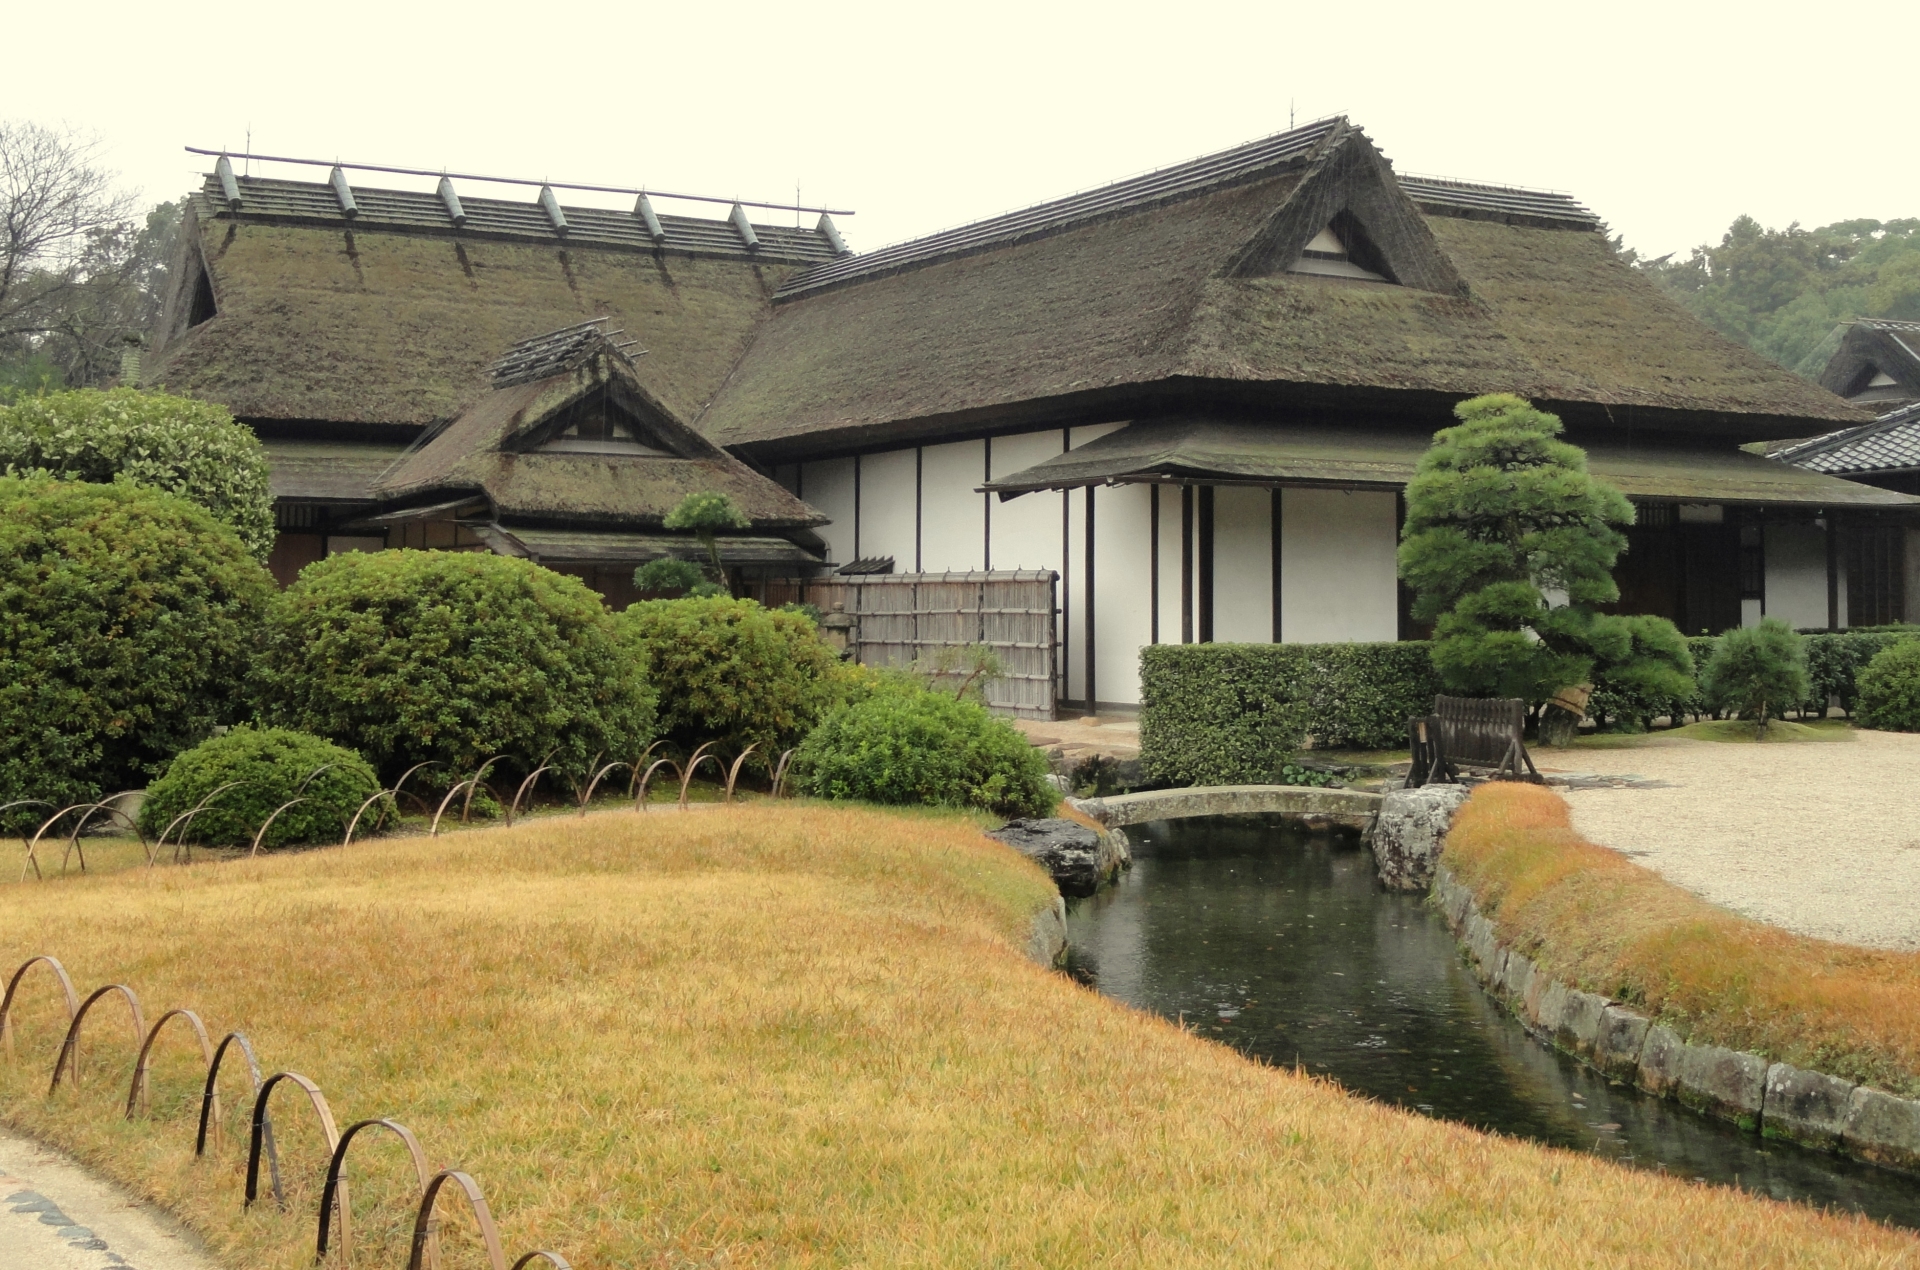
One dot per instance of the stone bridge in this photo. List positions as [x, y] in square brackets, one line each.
[1344, 806]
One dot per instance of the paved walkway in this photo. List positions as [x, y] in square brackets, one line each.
[53, 1216]
[1821, 838]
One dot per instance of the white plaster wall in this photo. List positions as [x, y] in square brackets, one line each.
[1073, 588]
[1169, 564]
[1796, 562]
[887, 494]
[1338, 580]
[1750, 613]
[1242, 565]
[952, 515]
[827, 485]
[1121, 592]
[1026, 530]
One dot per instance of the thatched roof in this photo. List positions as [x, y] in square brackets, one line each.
[387, 318]
[1217, 451]
[1889, 444]
[1175, 289]
[503, 446]
[327, 471]
[1877, 364]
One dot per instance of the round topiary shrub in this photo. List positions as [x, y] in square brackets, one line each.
[1757, 672]
[410, 656]
[272, 766]
[1889, 689]
[177, 444]
[736, 673]
[906, 747]
[128, 620]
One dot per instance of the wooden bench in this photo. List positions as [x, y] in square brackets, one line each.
[1483, 733]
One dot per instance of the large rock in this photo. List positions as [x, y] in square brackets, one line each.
[1883, 1129]
[1078, 858]
[1409, 832]
[1805, 1107]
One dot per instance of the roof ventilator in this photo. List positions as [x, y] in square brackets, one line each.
[551, 205]
[1330, 254]
[343, 192]
[229, 188]
[643, 208]
[829, 231]
[748, 238]
[456, 213]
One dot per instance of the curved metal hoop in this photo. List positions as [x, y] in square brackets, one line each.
[27, 802]
[33, 846]
[378, 820]
[693, 765]
[268, 824]
[13, 986]
[106, 805]
[475, 784]
[554, 1259]
[418, 801]
[434, 830]
[586, 799]
[137, 1094]
[336, 1185]
[640, 802]
[780, 772]
[187, 816]
[423, 1220]
[634, 768]
[69, 1058]
[210, 1099]
[320, 1109]
[521, 793]
[733, 773]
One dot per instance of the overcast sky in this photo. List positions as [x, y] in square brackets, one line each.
[1668, 119]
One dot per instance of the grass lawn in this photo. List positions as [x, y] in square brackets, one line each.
[777, 1035]
[1593, 918]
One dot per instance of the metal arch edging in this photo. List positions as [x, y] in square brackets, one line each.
[137, 1094]
[336, 1186]
[423, 1220]
[69, 1058]
[13, 986]
[320, 1109]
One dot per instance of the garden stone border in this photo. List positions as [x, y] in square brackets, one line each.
[1776, 1099]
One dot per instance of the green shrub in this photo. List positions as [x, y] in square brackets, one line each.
[1890, 688]
[128, 620]
[456, 657]
[185, 447]
[273, 766]
[1758, 672]
[1653, 679]
[1224, 714]
[735, 673]
[914, 747]
[1836, 659]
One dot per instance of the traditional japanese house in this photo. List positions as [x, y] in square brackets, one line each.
[1876, 365]
[388, 348]
[1881, 555]
[1196, 395]
[1199, 393]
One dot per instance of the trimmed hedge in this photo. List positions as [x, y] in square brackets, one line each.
[1890, 689]
[1225, 714]
[128, 620]
[272, 766]
[1835, 660]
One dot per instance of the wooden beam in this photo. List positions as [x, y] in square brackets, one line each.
[1186, 564]
[1274, 532]
[451, 201]
[1092, 697]
[343, 193]
[551, 206]
[1833, 570]
[1153, 564]
[1206, 564]
[643, 208]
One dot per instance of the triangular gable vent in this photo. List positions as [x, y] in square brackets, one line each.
[1882, 380]
[1333, 251]
[597, 425]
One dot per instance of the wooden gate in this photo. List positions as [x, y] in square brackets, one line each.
[898, 617]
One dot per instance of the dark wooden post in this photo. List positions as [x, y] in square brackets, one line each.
[1186, 564]
[1833, 571]
[1092, 708]
[1274, 527]
[1153, 564]
[1206, 564]
[986, 517]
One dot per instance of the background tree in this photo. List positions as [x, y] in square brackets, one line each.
[706, 514]
[1758, 672]
[1782, 292]
[177, 444]
[1509, 545]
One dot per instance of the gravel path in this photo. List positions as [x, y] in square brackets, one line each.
[54, 1216]
[1821, 838]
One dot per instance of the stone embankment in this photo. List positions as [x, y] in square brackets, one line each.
[1080, 860]
[1777, 1100]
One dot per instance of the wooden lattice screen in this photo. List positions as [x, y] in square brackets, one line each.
[898, 617]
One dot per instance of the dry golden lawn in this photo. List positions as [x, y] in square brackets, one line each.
[1592, 917]
[781, 1035]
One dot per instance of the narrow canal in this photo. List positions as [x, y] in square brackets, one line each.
[1280, 943]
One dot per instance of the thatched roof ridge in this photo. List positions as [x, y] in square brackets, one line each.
[488, 450]
[363, 326]
[1870, 345]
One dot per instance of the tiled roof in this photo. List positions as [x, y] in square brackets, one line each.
[1279, 152]
[304, 202]
[1888, 443]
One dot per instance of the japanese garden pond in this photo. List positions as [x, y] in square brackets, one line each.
[1277, 941]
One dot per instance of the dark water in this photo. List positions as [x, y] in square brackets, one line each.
[1281, 944]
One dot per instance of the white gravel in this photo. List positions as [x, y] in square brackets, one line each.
[1822, 838]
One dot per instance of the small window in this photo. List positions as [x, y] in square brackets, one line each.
[594, 425]
[1342, 250]
[203, 306]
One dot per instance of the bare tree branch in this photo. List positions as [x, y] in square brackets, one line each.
[53, 201]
